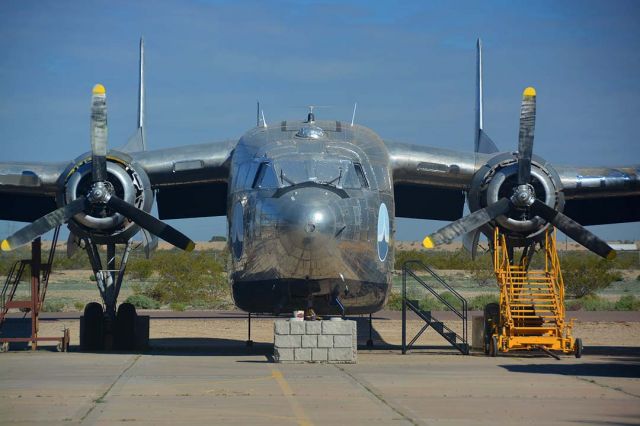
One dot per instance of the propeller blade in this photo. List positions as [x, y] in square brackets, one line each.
[150, 242]
[73, 242]
[468, 223]
[99, 134]
[573, 229]
[44, 224]
[525, 136]
[151, 224]
[470, 242]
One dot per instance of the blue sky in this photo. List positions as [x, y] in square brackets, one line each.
[409, 65]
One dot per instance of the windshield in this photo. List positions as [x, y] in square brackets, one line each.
[338, 173]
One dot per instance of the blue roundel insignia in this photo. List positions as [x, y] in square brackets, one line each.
[237, 230]
[383, 232]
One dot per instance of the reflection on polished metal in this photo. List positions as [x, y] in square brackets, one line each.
[311, 204]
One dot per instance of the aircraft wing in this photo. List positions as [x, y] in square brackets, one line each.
[190, 181]
[430, 183]
[28, 190]
[601, 195]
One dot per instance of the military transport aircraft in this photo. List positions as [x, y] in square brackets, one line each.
[311, 204]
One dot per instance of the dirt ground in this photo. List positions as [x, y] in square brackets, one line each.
[200, 332]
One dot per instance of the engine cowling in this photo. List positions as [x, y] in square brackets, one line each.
[130, 183]
[499, 177]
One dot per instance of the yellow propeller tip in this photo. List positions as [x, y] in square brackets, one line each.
[5, 246]
[99, 89]
[529, 91]
[612, 255]
[428, 243]
[190, 246]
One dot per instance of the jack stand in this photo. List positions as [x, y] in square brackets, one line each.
[370, 341]
[249, 342]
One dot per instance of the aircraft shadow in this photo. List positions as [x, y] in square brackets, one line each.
[621, 362]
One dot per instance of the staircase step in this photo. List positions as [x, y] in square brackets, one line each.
[438, 326]
[532, 316]
[544, 327]
[415, 303]
[523, 305]
[451, 337]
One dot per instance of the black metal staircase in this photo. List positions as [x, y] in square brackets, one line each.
[459, 342]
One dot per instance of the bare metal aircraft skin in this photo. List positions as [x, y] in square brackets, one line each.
[311, 204]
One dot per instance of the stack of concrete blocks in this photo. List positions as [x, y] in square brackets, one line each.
[316, 341]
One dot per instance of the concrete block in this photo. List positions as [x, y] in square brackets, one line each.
[319, 354]
[302, 354]
[297, 327]
[281, 326]
[314, 327]
[341, 355]
[287, 341]
[309, 340]
[343, 341]
[283, 354]
[338, 327]
[325, 341]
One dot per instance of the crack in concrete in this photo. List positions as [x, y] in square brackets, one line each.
[100, 399]
[377, 396]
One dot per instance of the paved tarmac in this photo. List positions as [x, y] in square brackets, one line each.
[627, 316]
[230, 384]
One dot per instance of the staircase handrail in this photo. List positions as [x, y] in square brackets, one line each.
[5, 287]
[463, 314]
[556, 273]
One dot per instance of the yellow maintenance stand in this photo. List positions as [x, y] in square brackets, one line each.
[531, 314]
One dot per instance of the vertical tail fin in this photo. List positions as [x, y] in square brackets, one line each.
[137, 140]
[483, 142]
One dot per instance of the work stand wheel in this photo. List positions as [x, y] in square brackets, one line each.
[125, 327]
[577, 348]
[493, 346]
[93, 331]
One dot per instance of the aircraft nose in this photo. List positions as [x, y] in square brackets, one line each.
[307, 221]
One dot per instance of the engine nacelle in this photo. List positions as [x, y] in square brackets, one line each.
[498, 178]
[130, 183]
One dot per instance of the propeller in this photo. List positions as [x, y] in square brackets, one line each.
[523, 198]
[101, 193]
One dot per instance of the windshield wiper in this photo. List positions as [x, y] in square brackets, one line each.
[283, 178]
[331, 182]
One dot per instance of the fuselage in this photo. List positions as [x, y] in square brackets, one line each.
[311, 218]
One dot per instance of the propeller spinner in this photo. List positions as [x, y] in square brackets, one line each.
[523, 198]
[101, 193]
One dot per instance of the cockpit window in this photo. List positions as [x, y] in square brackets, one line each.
[265, 177]
[338, 173]
[361, 177]
[281, 173]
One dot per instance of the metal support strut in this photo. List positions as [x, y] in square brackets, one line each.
[249, 342]
[370, 341]
[108, 280]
